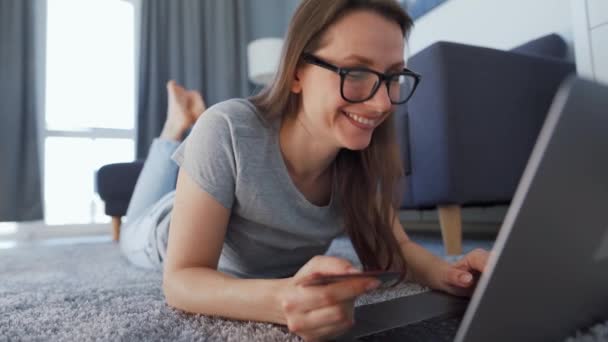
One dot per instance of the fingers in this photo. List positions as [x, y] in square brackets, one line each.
[331, 294]
[322, 321]
[328, 332]
[323, 311]
[308, 298]
[458, 277]
[475, 260]
[464, 273]
[305, 298]
[326, 265]
[459, 291]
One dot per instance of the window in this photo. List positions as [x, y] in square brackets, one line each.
[90, 103]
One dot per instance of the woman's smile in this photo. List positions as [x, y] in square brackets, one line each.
[363, 122]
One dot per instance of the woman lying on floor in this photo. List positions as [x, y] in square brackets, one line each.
[266, 183]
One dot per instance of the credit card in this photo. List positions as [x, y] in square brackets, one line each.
[386, 277]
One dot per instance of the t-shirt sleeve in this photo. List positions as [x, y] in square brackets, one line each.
[208, 156]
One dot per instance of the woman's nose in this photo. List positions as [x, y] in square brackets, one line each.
[381, 101]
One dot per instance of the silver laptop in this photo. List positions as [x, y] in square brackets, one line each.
[547, 276]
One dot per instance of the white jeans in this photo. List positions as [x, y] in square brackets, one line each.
[143, 238]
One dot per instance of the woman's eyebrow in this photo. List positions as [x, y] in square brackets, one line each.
[367, 61]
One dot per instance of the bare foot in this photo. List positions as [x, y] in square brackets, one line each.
[184, 108]
[196, 104]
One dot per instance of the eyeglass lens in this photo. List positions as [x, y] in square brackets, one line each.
[360, 85]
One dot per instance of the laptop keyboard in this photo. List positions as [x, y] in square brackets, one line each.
[435, 329]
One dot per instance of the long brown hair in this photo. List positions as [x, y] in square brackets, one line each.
[366, 180]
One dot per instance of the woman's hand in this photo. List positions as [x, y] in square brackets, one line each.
[460, 278]
[326, 311]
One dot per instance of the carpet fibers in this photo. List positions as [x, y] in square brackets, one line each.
[89, 292]
[86, 292]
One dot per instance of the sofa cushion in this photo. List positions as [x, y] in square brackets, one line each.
[117, 181]
[551, 45]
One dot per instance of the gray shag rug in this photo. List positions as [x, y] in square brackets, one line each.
[86, 292]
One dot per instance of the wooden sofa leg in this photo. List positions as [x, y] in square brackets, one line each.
[116, 222]
[451, 229]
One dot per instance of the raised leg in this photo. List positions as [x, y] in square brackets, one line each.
[451, 229]
[158, 175]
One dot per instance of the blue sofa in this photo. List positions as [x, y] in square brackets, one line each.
[115, 183]
[467, 133]
[465, 136]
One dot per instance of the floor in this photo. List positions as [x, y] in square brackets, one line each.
[7, 244]
[55, 294]
[431, 241]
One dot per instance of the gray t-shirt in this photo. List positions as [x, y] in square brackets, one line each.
[233, 154]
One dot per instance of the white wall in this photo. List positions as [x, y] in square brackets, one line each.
[501, 24]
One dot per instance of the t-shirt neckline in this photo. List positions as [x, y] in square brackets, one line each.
[284, 173]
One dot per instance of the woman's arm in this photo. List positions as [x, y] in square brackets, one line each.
[420, 262]
[191, 281]
[428, 269]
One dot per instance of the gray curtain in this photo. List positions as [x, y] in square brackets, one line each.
[21, 82]
[201, 44]
[268, 18]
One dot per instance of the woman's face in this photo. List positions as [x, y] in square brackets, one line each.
[359, 39]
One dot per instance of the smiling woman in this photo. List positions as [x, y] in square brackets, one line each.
[266, 183]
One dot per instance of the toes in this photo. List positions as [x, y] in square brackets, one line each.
[170, 84]
[175, 90]
[197, 104]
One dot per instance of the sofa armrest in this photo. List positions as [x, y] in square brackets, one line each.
[474, 121]
[115, 184]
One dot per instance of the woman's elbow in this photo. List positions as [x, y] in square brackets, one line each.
[168, 290]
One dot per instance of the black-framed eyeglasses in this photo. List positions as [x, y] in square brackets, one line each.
[360, 84]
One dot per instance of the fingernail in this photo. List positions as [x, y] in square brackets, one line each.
[353, 270]
[373, 285]
[466, 277]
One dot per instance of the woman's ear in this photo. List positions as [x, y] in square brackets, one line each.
[296, 84]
